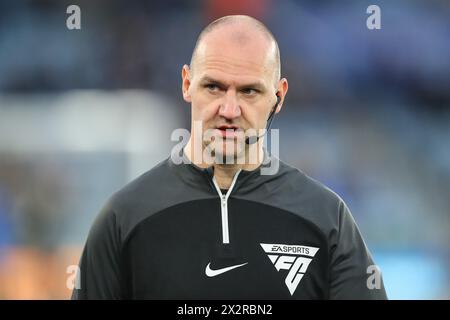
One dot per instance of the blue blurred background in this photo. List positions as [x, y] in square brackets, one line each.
[82, 112]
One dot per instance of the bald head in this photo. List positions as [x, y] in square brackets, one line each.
[239, 30]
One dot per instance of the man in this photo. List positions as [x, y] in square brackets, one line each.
[207, 228]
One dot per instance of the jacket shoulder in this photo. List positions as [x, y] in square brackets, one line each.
[140, 198]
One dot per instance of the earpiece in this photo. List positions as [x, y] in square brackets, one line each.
[254, 139]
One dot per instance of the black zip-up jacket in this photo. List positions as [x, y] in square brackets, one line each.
[172, 234]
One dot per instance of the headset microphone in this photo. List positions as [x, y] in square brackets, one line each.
[254, 139]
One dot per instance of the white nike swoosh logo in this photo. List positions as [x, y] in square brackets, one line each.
[213, 273]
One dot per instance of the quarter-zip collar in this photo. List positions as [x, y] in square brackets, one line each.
[201, 179]
[224, 206]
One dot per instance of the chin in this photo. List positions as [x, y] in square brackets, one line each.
[231, 153]
[226, 151]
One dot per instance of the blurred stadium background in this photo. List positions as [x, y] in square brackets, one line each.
[83, 112]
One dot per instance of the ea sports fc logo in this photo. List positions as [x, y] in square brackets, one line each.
[295, 259]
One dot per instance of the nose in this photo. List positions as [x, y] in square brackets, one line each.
[230, 108]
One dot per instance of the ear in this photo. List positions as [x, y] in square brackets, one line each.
[186, 83]
[282, 91]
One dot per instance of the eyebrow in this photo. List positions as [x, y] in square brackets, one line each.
[257, 85]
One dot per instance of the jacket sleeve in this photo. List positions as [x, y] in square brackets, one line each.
[353, 273]
[100, 270]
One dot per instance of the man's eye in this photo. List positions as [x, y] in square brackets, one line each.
[212, 87]
[249, 91]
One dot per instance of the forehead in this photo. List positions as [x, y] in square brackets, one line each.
[235, 57]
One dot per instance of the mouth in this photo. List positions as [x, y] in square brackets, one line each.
[228, 131]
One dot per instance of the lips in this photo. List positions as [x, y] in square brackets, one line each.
[228, 131]
[225, 127]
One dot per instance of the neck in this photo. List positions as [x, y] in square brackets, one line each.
[223, 173]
